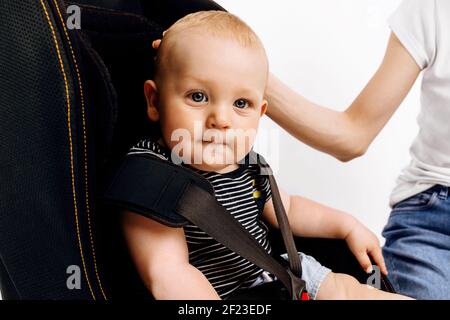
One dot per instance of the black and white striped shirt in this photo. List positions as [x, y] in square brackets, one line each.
[243, 192]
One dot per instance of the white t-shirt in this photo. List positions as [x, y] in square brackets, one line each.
[423, 27]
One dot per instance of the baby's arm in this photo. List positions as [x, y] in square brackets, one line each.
[311, 219]
[338, 286]
[308, 218]
[161, 257]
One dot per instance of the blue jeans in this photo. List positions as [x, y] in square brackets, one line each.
[417, 248]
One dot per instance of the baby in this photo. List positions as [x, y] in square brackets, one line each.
[208, 97]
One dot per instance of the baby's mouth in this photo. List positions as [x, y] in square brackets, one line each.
[214, 142]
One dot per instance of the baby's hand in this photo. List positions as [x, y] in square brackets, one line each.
[362, 243]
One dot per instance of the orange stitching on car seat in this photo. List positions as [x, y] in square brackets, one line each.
[70, 142]
[85, 149]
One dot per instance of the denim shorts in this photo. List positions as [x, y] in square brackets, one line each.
[417, 248]
[313, 273]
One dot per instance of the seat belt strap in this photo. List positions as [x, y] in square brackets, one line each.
[282, 218]
[213, 218]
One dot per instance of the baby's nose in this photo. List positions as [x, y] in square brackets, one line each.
[219, 119]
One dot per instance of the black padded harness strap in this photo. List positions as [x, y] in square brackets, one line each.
[153, 187]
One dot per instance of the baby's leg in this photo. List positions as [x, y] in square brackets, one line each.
[339, 286]
[313, 273]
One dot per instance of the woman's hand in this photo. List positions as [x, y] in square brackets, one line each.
[364, 243]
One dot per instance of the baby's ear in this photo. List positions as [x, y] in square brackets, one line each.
[151, 94]
[264, 107]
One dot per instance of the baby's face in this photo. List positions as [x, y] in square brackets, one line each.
[209, 99]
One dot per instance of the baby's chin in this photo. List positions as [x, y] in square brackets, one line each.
[217, 161]
[212, 157]
[216, 167]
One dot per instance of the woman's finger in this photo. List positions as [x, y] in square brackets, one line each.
[156, 43]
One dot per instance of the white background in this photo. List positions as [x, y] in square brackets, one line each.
[327, 50]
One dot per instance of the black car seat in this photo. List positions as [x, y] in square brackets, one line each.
[71, 104]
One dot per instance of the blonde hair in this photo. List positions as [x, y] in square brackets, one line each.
[215, 23]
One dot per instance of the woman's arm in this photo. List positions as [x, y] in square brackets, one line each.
[161, 257]
[346, 135]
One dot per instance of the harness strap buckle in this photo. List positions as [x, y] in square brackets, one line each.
[298, 287]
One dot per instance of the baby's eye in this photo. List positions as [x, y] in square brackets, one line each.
[241, 103]
[199, 97]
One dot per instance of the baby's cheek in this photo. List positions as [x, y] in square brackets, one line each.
[183, 149]
[243, 143]
[172, 128]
